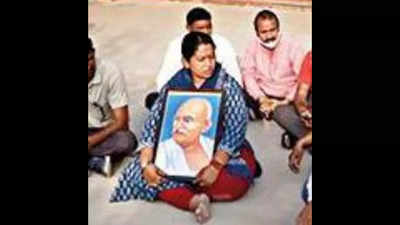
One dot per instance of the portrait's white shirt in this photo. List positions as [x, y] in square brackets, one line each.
[171, 159]
[225, 54]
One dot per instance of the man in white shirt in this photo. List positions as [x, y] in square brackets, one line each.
[108, 118]
[188, 151]
[198, 19]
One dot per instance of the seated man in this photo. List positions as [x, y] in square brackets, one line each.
[295, 158]
[303, 100]
[270, 68]
[188, 150]
[304, 108]
[198, 19]
[108, 118]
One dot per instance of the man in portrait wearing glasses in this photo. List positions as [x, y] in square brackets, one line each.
[109, 137]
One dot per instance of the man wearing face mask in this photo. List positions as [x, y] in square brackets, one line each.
[198, 19]
[189, 150]
[270, 68]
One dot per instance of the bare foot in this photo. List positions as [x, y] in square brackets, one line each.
[201, 207]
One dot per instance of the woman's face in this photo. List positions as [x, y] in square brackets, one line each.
[202, 63]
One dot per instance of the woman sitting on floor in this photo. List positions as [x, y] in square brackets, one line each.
[233, 166]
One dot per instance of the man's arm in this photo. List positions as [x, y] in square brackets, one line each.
[297, 56]
[301, 98]
[119, 122]
[250, 73]
[303, 90]
[117, 98]
[306, 140]
[296, 156]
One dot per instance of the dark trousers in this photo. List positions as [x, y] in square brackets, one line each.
[118, 145]
[285, 116]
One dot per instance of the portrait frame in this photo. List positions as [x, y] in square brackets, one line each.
[168, 155]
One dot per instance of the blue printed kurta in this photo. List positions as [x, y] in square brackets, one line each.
[231, 137]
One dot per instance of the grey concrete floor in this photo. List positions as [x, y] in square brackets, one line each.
[134, 35]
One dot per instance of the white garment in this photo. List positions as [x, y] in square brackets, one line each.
[170, 157]
[309, 188]
[225, 54]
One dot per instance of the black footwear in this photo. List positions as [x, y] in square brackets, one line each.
[258, 170]
[288, 141]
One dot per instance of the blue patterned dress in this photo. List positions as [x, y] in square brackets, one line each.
[132, 185]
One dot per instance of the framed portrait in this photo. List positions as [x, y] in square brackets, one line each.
[187, 135]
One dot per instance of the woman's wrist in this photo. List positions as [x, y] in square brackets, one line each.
[216, 164]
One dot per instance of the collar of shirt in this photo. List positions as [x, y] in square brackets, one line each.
[97, 76]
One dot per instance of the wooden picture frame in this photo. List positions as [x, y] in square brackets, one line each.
[187, 134]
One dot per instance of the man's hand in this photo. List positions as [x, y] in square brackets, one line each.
[120, 121]
[306, 117]
[296, 156]
[302, 105]
[207, 176]
[90, 144]
[305, 216]
[152, 175]
[268, 105]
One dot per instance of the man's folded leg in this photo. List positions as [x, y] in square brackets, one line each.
[113, 149]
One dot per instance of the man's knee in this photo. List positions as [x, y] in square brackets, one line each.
[286, 112]
[125, 142]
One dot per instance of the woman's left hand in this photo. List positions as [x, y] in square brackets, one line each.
[207, 176]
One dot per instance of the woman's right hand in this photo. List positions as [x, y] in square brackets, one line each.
[152, 175]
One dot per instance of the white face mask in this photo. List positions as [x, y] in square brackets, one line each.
[272, 44]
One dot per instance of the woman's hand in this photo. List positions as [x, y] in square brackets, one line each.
[207, 176]
[153, 176]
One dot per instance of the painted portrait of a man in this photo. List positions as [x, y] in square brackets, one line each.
[187, 142]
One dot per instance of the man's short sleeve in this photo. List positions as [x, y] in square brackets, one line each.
[306, 70]
[117, 96]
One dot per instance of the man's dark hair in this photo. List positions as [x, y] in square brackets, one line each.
[91, 49]
[192, 41]
[197, 14]
[266, 14]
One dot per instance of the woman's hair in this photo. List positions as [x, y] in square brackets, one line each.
[192, 41]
